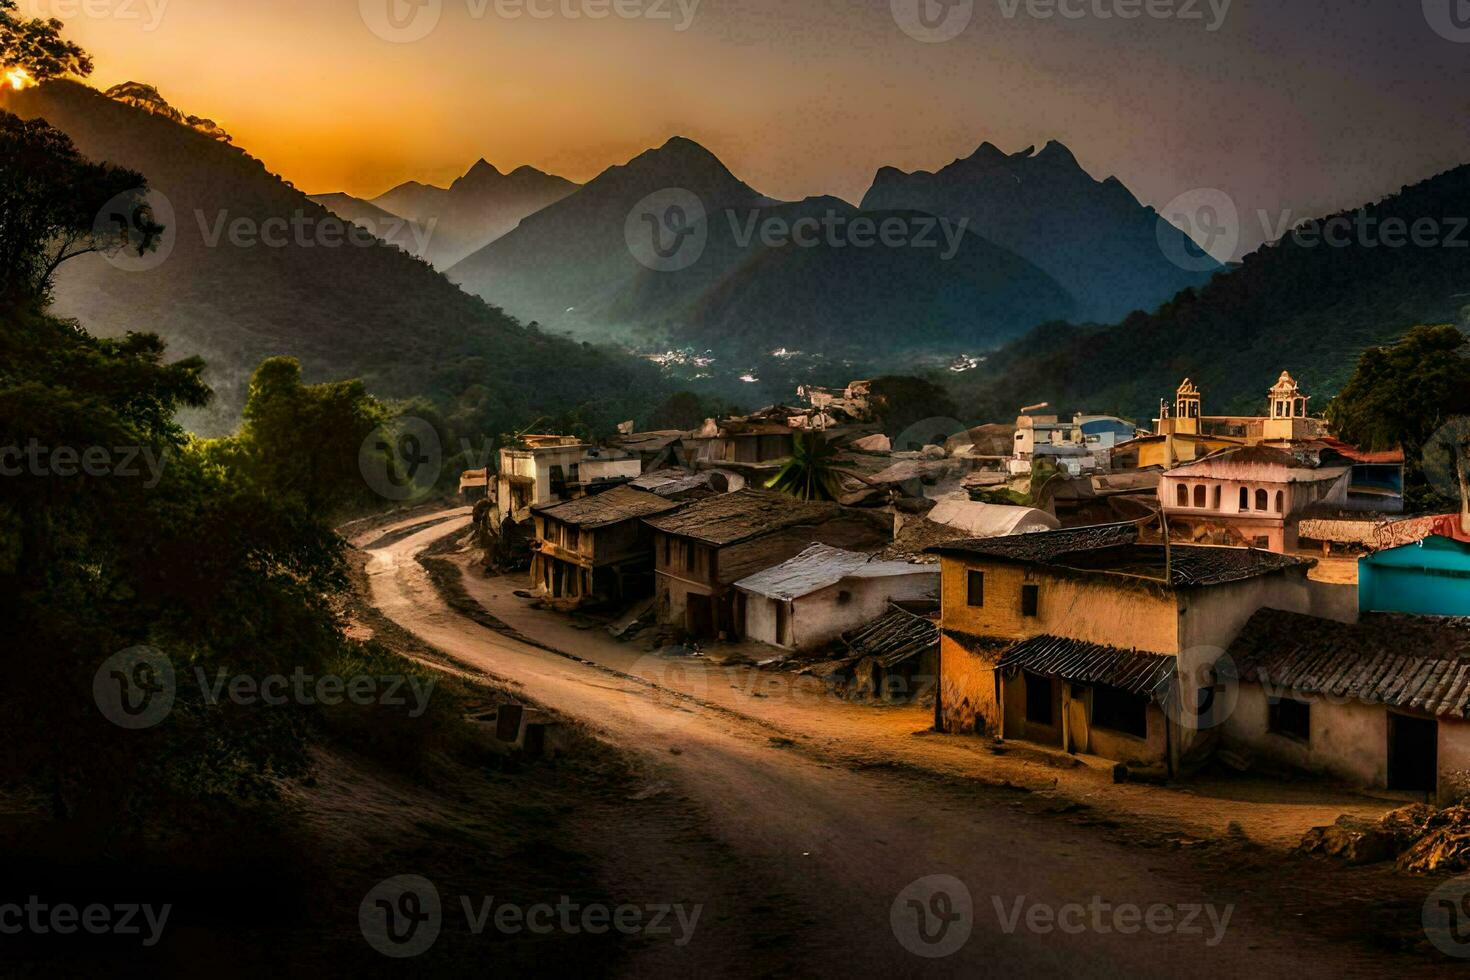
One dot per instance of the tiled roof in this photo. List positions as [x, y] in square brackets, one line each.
[1398, 661]
[735, 517]
[894, 638]
[1112, 549]
[1137, 672]
[614, 506]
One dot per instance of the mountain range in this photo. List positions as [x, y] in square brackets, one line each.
[1310, 303]
[253, 268]
[454, 222]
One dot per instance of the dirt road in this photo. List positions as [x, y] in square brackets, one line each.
[806, 862]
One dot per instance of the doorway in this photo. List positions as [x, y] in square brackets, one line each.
[701, 616]
[1413, 754]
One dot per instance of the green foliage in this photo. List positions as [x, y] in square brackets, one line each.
[1402, 395]
[37, 46]
[50, 202]
[686, 410]
[812, 472]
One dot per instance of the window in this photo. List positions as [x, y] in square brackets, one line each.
[1262, 500]
[1280, 501]
[1182, 495]
[1199, 496]
[976, 588]
[668, 553]
[1290, 718]
[1119, 711]
[1038, 699]
[1245, 499]
[1217, 496]
[1030, 599]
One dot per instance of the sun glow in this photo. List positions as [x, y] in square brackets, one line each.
[19, 78]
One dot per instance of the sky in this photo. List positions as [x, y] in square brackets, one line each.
[1290, 108]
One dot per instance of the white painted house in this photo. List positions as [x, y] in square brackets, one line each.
[824, 592]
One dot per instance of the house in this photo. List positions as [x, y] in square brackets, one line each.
[1428, 578]
[1377, 482]
[474, 485]
[597, 547]
[702, 550]
[1383, 704]
[1076, 443]
[1168, 451]
[1089, 640]
[753, 446]
[979, 520]
[1251, 496]
[812, 599]
[655, 450]
[541, 469]
[896, 657]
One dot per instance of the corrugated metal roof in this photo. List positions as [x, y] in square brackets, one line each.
[1398, 661]
[821, 566]
[1138, 672]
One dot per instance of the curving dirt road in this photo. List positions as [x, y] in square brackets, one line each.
[806, 862]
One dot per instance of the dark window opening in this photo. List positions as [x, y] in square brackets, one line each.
[1291, 718]
[1038, 699]
[1119, 711]
[976, 584]
[1030, 599]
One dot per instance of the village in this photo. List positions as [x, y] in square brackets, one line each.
[1232, 592]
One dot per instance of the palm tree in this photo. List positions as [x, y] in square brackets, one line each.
[812, 472]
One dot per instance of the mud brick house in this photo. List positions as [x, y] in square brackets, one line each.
[702, 550]
[597, 548]
[1381, 704]
[1089, 640]
[1250, 496]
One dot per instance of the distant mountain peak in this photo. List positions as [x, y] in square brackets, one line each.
[988, 152]
[1057, 152]
[482, 168]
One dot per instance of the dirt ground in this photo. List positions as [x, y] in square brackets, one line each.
[808, 816]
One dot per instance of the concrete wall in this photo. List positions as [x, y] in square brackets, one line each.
[967, 701]
[1110, 612]
[825, 615]
[1349, 741]
[761, 619]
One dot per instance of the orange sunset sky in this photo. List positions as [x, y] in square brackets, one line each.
[1305, 105]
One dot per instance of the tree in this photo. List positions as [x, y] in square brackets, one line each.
[1402, 396]
[813, 471]
[36, 47]
[56, 205]
[903, 402]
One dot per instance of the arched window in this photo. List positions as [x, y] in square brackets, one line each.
[1280, 501]
[1262, 500]
[1199, 496]
[1182, 495]
[1217, 496]
[1245, 499]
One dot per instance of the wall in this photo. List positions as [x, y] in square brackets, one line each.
[849, 531]
[967, 701]
[1115, 613]
[1211, 618]
[761, 619]
[824, 616]
[1349, 741]
[1428, 579]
